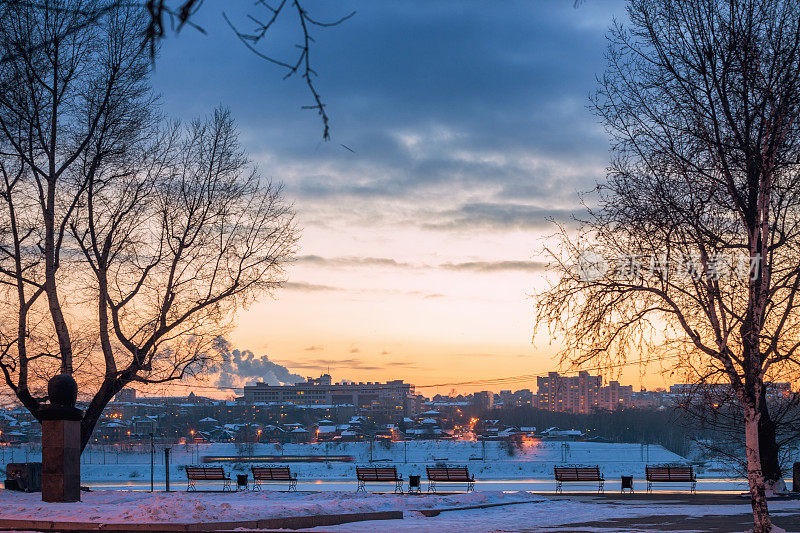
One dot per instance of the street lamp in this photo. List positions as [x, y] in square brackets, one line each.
[152, 459]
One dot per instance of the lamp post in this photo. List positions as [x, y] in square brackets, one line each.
[166, 467]
[152, 459]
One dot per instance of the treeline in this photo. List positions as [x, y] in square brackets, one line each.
[673, 429]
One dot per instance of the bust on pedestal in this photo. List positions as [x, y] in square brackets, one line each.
[61, 442]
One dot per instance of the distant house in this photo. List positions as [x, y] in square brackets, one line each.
[562, 434]
[222, 435]
[299, 435]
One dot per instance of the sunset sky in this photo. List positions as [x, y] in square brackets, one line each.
[469, 127]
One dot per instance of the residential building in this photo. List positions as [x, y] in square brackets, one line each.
[615, 396]
[575, 394]
[390, 400]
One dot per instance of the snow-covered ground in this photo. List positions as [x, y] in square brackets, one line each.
[527, 468]
[563, 515]
[510, 511]
[181, 507]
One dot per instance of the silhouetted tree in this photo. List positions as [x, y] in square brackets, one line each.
[702, 101]
[720, 414]
[127, 243]
[159, 16]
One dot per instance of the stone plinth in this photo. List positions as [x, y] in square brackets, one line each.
[61, 460]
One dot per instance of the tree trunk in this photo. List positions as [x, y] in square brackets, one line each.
[755, 478]
[769, 449]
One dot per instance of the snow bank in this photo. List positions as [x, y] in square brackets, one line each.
[181, 507]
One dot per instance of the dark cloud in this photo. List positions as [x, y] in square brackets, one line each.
[429, 109]
[481, 266]
[494, 266]
[238, 366]
[313, 348]
[499, 215]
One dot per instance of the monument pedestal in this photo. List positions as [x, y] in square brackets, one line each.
[61, 460]
[61, 442]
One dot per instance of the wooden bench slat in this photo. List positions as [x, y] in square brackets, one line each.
[377, 473]
[449, 474]
[210, 473]
[577, 474]
[272, 473]
[675, 474]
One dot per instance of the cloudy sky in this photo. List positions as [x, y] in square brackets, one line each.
[466, 128]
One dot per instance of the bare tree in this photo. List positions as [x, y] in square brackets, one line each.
[718, 413]
[698, 218]
[161, 16]
[128, 243]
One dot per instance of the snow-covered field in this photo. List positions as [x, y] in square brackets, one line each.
[527, 468]
[490, 460]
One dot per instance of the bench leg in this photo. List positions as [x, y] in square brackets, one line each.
[293, 485]
[600, 487]
[649, 486]
[226, 485]
[694, 487]
[361, 486]
[256, 485]
[559, 487]
[398, 486]
[431, 485]
[471, 486]
[190, 485]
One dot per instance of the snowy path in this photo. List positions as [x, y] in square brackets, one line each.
[585, 514]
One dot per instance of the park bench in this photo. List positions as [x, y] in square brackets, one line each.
[578, 474]
[449, 474]
[273, 473]
[670, 474]
[206, 473]
[378, 474]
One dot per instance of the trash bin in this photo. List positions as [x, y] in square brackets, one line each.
[796, 477]
[24, 477]
[241, 481]
[626, 483]
[414, 484]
